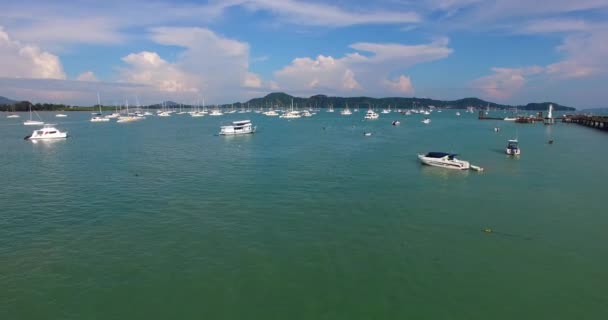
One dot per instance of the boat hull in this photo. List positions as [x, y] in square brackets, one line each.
[442, 163]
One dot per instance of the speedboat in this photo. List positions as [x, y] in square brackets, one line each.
[457, 114]
[61, 115]
[426, 121]
[13, 116]
[396, 123]
[164, 114]
[444, 160]
[47, 132]
[510, 119]
[371, 115]
[513, 148]
[238, 127]
[386, 111]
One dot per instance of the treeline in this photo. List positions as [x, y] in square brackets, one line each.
[323, 101]
[25, 106]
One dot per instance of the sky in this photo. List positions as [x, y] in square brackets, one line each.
[506, 51]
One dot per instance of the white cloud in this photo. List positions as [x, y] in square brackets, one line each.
[87, 76]
[585, 55]
[365, 71]
[210, 65]
[27, 61]
[505, 82]
[149, 68]
[403, 84]
[311, 13]
[252, 80]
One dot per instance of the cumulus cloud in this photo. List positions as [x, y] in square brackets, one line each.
[26, 60]
[209, 65]
[403, 84]
[365, 71]
[585, 55]
[87, 76]
[149, 68]
[505, 82]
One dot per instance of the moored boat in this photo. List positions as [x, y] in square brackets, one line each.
[444, 160]
[513, 148]
[46, 133]
[238, 127]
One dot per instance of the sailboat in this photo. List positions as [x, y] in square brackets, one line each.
[290, 114]
[32, 122]
[99, 118]
[346, 111]
[549, 119]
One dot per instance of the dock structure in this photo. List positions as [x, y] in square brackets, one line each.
[598, 122]
[528, 119]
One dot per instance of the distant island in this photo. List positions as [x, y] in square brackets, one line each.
[318, 101]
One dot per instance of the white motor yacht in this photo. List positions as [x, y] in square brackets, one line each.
[444, 160]
[216, 112]
[513, 148]
[371, 115]
[47, 132]
[238, 127]
[271, 113]
[290, 115]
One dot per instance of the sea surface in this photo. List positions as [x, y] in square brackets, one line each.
[306, 219]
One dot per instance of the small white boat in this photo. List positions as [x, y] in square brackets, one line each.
[306, 114]
[346, 111]
[100, 119]
[290, 115]
[396, 123]
[216, 112]
[513, 148]
[61, 115]
[47, 132]
[113, 115]
[164, 114]
[426, 121]
[271, 113]
[127, 118]
[371, 115]
[33, 123]
[457, 114]
[386, 111]
[238, 127]
[510, 119]
[197, 114]
[12, 116]
[444, 160]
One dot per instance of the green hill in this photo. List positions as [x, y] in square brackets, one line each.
[323, 101]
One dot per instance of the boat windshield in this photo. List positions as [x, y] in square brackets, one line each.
[512, 145]
[440, 155]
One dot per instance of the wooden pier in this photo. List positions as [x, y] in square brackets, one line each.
[598, 122]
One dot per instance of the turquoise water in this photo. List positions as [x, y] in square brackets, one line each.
[307, 219]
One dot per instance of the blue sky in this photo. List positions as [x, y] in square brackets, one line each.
[508, 51]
